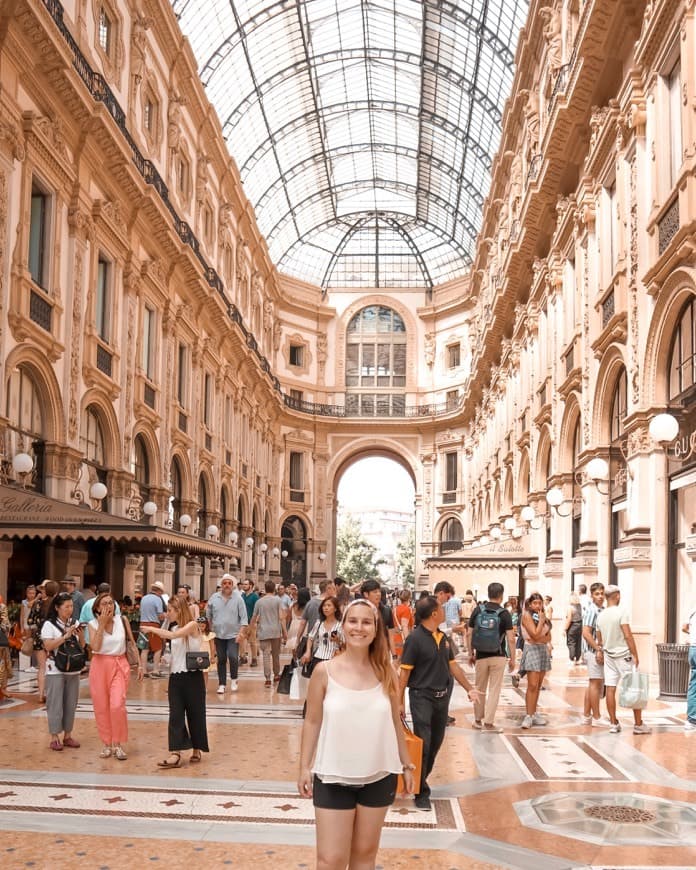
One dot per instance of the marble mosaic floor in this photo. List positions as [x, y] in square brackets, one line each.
[555, 798]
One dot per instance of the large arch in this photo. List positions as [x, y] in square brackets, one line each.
[365, 448]
[110, 430]
[675, 292]
[149, 439]
[609, 371]
[542, 459]
[571, 415]
[46, 383]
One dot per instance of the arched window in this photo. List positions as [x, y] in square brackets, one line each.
[25, 432]
[91, 438]
[293, 567]
[23, 404]
[682, 365]
[376, 363]
[141, 467]
[176, 489]
[618, 474]
[577, 495]
[451, 536]
[225, 518]
[202, 506]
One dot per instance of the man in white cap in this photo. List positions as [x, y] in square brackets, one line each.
[616, 651]
[228, 618]
[153, 612]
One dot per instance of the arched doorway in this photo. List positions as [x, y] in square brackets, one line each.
[293, 564]
[375, 509]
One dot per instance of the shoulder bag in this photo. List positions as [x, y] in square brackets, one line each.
[132, 651]
[197, 660]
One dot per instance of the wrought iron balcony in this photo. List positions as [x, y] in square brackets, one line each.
[389, 410]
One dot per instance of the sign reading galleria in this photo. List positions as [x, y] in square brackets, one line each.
[18, 506]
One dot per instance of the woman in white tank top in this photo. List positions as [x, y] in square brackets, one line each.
[353, 744]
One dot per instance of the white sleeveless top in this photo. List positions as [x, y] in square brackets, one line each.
[180, 646]
[357, 741]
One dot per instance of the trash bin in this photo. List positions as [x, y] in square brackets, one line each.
[673, 665]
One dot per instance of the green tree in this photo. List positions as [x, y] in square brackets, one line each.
[406, 560]
[355, 557]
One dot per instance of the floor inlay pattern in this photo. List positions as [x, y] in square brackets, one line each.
[158, 711]
[581, 814]
[558, 758]
[201, 805]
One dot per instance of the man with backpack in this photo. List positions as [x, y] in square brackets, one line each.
[490, 625]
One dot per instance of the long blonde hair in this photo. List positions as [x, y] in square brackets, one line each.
[379, 652]
[181, 606]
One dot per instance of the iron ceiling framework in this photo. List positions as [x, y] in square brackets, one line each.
[364, 129]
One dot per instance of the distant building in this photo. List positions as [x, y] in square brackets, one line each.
[384, 529]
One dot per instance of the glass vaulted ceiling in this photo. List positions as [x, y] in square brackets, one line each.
[363, 129]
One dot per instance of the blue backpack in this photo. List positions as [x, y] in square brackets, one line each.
[486, 633]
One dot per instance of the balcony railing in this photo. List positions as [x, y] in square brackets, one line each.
[387, 410]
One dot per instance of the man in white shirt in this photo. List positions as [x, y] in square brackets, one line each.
[690, 628]
[616, 651]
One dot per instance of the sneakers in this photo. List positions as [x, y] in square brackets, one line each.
[451, 720]
[492, 729]
[689, 726]
[106, 752]
[642, 729]
[478, 724]
[233, 686]
[538, 719]
[527, 722]
[615, 727]
[267, 684]
[422, 802]
[221, 689]
[120, 753]
[586, 720]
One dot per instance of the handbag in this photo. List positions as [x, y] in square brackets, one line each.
[308, 668]
[295, 693]
[634, 689]
[285, 680]
[27, 647]
[414, 745]
[132, 652]
[197, 659]
[143, 642]
[301, 647]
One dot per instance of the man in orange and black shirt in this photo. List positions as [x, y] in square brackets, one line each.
[426, 665]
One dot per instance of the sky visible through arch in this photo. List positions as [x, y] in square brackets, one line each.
[376, 483]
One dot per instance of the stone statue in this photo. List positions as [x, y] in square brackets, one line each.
[429, 349]
[174, 121]
[551, 16]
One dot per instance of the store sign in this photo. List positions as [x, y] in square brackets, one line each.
[23, 507]
[684, 448]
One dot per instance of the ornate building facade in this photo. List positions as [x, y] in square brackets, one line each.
[172, 405]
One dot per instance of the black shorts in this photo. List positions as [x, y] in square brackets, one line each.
[337, 796]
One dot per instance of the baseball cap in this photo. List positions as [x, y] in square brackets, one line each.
[611, 589]
[158, 585]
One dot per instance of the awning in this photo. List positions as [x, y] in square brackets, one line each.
[476, 567]
[26, 514]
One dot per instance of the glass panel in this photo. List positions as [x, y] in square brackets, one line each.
[399, 106]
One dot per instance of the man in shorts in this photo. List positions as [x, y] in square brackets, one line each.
[590, 646]
[152, 612]
[616, 650]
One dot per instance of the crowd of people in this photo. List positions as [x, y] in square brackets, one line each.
[355, 650]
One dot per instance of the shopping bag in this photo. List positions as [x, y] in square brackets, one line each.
[415, 753]
[295, 694]
[285, 680]
[633, 690]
